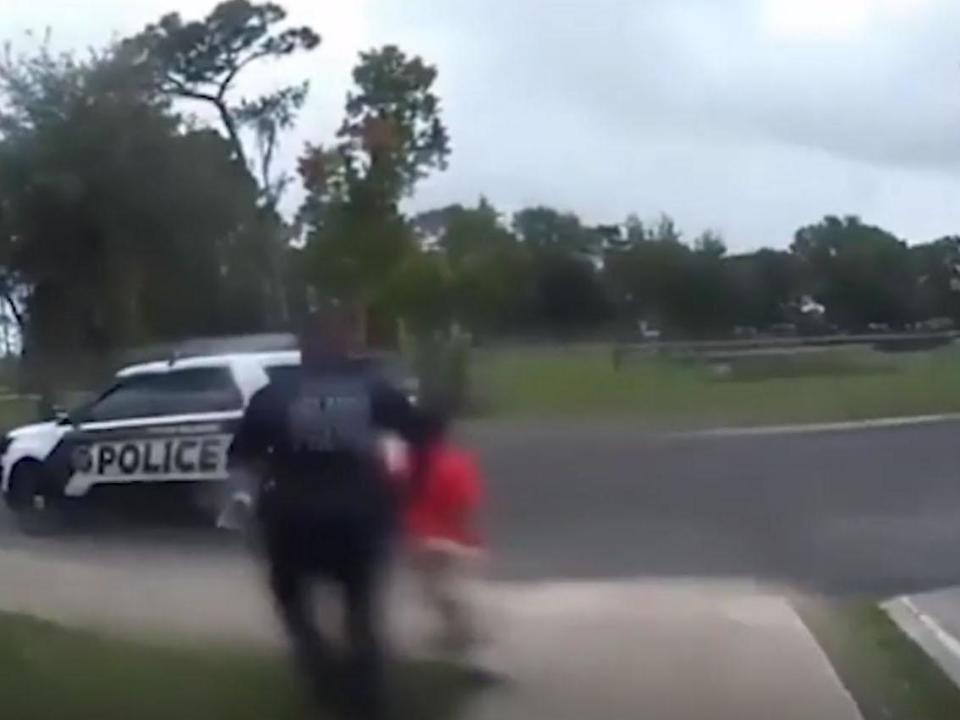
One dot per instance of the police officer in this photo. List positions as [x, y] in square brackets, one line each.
[325, 509]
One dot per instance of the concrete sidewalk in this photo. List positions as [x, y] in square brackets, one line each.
[660, 650]
[605, 650]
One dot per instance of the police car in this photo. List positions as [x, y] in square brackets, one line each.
[162, 428]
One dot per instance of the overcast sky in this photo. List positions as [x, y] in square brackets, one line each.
[751, 117]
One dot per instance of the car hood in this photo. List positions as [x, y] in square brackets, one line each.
[42, 428]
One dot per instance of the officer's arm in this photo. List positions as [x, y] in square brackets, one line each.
[393, 412]
[251, 442]
[246, 463]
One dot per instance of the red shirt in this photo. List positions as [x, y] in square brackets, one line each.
[445, 505]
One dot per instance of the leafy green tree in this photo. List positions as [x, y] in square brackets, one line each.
[495, 291]
[937, 269]
[202, 61]
[621, 270]
[420, 292]
[115, 215]
[644, 270]
[568, 295]
[652, 276]
[861, 273]
[491, 284]
[544, 229]
[665, 231]
[704, 299]
[710, 244]
[764, 285]
[466, 232]
[391, 137]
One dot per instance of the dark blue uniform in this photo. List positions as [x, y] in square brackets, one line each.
[325, 508]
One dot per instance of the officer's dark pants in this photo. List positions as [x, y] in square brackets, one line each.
[349, 550]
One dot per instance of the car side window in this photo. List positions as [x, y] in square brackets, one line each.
[130, 398]
[282, 373]
[178, 392]
[198, 390]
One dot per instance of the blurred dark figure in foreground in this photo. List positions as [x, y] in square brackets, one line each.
[326, 509]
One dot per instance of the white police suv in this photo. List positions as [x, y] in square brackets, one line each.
[160, 425]
[159, 433]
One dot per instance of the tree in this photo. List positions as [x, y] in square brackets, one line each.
[494, 291]
[490, 271]
[544, 229]
[420, 292]
[564, 256]
[569, 295]
[644, 270]
[665, 231]
[391, 137]
[202, 61]
[764, 284]
[621, 270]
[465, 232]
[114, 214]
[652, 276]
[392, 134]
[704, 299]
[937, 269]
[861, 273]
[710, 243]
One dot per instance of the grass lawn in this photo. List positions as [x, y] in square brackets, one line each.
[48, 672]
[582, 383]
[889, 676]
[16, 411]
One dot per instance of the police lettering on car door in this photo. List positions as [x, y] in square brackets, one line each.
[174, 453]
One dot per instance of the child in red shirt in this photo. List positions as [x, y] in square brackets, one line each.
[440, 521]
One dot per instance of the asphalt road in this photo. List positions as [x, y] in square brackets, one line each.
[872, 511]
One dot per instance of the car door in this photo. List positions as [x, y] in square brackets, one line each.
[172, 426]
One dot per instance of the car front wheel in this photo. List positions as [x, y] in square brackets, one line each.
[36, 509]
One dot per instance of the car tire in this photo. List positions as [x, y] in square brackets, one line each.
[35, 509]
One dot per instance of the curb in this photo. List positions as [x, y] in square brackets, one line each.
[925, 631]
[844, 426]
[625, 425]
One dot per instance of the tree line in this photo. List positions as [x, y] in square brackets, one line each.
[838, 274]
[140, 195]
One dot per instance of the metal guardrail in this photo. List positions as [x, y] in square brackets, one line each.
[667, 346]
[13, 397]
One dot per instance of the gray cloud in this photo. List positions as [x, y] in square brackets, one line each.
[694, 107]
[888, 95]
[697, 108]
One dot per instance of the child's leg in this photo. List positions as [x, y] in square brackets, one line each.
[443, 574]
